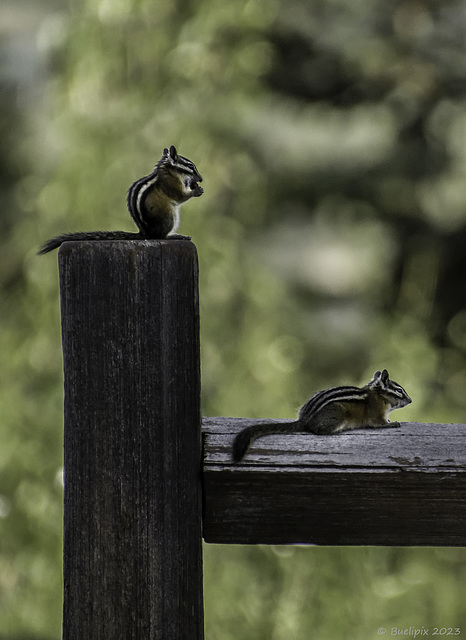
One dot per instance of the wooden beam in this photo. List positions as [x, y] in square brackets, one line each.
[402, 486]
[132, 523]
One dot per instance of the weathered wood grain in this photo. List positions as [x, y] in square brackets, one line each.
[403, 486]
[132, 523]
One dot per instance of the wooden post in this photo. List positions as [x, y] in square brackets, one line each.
[132, 524]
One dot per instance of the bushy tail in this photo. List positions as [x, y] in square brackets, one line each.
[83, 236]
[245, 437]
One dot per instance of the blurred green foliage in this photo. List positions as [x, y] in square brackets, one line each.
[331, 138]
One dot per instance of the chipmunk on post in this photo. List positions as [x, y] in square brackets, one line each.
[336, 410]
[153, 202]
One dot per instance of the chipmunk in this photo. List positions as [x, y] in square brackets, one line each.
[153, 202]
[336, 410]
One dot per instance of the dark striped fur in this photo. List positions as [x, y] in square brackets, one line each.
[177, 179]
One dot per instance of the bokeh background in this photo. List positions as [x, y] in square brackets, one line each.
[331, 136]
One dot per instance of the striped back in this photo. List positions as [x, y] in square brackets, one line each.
[323, 398]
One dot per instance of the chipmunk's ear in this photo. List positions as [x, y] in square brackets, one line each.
[173, 153]
[381, 376]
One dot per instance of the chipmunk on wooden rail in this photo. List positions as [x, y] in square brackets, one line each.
[153, 203]
[335, 410]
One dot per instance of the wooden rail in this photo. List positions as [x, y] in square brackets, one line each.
[402, 486]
